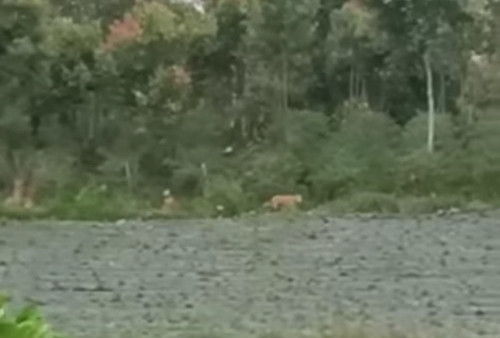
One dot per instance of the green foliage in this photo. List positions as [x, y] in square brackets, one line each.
[65, 37]
[382, 203]
[169, 23]
[94, 201]
[28, 323]
[227, 195]
[419, 173]
[367, 202]
[433, 204]
[268, 174]
[306, 129]
[241, 101]
[188, 180]
[415, 134]
[361, 155]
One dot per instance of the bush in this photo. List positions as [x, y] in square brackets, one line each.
[94, 201]
[306, 130]
[187, 180]
[360, 156]
[468, 169]
[269, 174]
[481, 158]
[420, 173]
[414, 136]
[228, 194]
[28, 323]
[366, 202]
[373, 202]
[335, 177]
[429, 205]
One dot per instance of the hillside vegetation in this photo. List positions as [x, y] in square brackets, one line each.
[366, 103]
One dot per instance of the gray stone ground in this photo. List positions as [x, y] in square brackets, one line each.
[255, 274]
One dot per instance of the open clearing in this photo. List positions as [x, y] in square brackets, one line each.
[249, 275]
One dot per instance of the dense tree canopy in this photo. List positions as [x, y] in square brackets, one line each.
[228, 101]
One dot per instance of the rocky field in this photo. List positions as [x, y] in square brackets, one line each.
[256, 274]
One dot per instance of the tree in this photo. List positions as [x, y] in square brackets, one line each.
[272, 24]
[151, 50]
[24, 82]
[427, 32]
[83, 11]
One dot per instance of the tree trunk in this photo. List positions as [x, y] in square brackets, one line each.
[364, 93]
[442, 92]
[16, 197]
[128, 175]
[382, 95]
[359, 84]
[351, 84]
[204, 175]
[24, 181]
[243, 126]
[430, 103]
[29, 190]
[240, 78]
[284, 92]
[91, 120]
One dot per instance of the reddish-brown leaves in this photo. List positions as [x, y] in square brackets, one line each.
[122, 31]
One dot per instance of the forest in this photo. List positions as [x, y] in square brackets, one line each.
[357, 105]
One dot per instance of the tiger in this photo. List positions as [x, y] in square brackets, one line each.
[279, 201]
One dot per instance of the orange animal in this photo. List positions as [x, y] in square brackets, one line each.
[287, 201]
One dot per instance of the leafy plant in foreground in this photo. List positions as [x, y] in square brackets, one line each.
[28, 323]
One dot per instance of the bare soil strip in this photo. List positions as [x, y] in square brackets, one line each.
[100, 280]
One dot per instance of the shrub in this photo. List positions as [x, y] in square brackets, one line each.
[468, 169]
[428, 205]
[366, 202]
[187, 180]
[269, 174]
[28, 323]
[94, 201]
[335, 177]
[306, 130]
[414, 136]
[361, 155]
[228, 194]
[419, 173]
